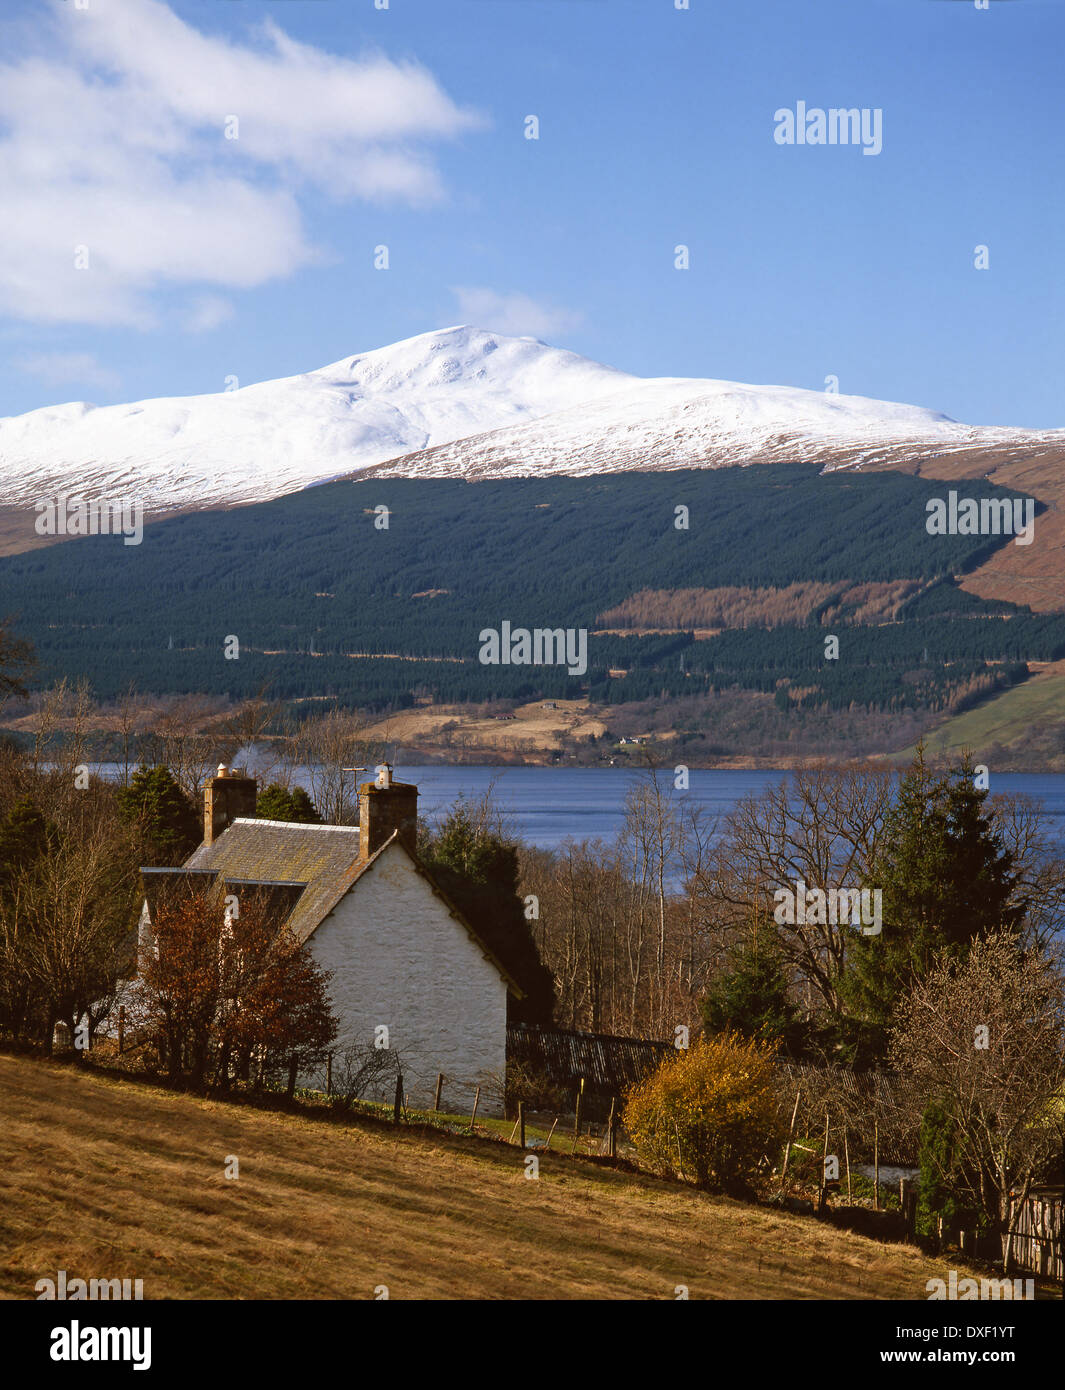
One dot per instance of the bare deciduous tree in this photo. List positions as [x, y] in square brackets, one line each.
[819, 826]
[987, 1038]
[187, 738]
[328, 746]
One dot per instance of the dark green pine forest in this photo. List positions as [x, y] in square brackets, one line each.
[325, 602]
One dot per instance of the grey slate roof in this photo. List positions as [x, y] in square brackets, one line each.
[160, 882]
[324, 859]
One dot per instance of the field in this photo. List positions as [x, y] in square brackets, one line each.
[533, 729]
[110, 1179]
[1009, 719]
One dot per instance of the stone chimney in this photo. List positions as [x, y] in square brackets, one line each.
[386, 806]
[228, 794]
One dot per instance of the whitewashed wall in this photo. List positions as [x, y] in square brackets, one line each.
[400, 959]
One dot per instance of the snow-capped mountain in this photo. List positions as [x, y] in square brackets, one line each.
[278, 436]
[669, 423]
[456, 402]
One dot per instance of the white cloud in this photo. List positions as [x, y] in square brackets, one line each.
[115, 140]
[206, 312]
[515, 314]
[68, 368]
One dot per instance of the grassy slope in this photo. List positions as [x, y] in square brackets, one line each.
[110, 1179]
[1008, 717]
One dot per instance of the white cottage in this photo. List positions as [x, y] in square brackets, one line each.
[402, 956]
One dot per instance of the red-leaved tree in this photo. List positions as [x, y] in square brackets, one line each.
[228, 987]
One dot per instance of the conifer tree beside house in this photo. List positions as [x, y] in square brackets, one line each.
[277, 802]
[25, 835]
[163, 815]
[477, 867]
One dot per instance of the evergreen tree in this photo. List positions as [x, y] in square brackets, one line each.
[938, 1176]
[277, 802]
[478, 870]
[947, 881]
[751, 996]
[168, 823]
[25, 835]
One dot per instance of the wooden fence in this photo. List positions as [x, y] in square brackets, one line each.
[858, 1103]
[1037, 1241]
[608, 1065]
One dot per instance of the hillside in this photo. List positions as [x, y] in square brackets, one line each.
[326, 603]
[113, 1179]
[1026, 720]
[1034, 574]
[676, 423]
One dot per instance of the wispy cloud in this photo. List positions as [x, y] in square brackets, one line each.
[68, 369]
[207, 312]
[115, 141]
[516, 314]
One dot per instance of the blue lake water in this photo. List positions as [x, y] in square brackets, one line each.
[545, 806]
[548, 805]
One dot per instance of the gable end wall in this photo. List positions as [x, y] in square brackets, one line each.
[399, 958]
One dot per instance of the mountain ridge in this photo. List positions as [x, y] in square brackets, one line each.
[455, 402]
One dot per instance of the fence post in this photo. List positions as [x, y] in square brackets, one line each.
[577, 1116]
[439, 1087]
[121, 1027]
[550, 1132]
[398, 1107]
[329, 1074]
[904, 1203]
[822, 1190]
[787, 1146]
[847, 1159]
[612, 1129]
[521, 1122]
[476, 1102]
[876, 1165]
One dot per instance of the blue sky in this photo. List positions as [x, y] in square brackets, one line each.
[405, 127]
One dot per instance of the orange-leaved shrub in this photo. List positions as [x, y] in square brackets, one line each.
[710, 1113]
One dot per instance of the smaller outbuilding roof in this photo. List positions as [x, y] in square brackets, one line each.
[323, 858]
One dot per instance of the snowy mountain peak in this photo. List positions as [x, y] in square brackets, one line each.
[277, 436]
[458, 401]
[529, 374]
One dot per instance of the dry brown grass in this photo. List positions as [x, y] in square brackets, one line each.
[109, 1179]
[533, 729]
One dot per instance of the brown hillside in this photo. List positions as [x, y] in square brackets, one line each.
[1032, 574]
[109, 1179]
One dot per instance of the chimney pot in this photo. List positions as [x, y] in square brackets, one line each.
[225, 797]
[384, 808]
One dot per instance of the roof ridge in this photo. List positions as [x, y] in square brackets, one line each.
[291, 824]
